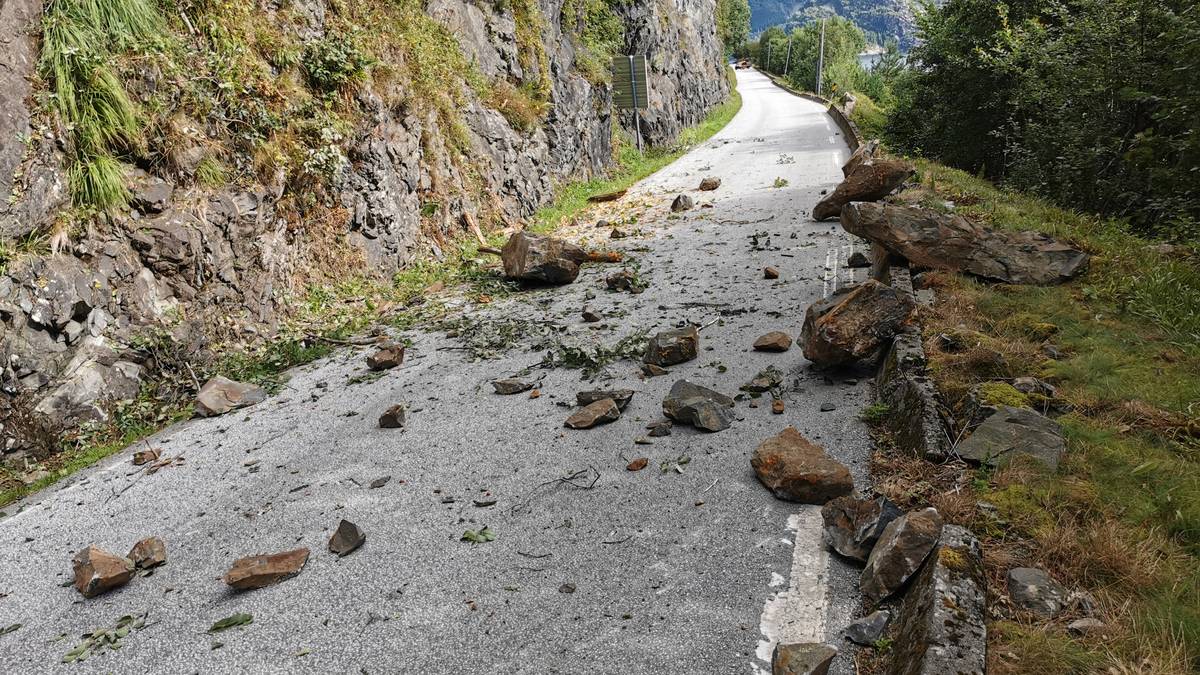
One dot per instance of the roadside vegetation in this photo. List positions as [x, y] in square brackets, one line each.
[332, 313]
[1021, 117]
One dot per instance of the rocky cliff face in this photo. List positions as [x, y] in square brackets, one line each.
[193, 261]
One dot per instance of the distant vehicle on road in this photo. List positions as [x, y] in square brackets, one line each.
[742, 65]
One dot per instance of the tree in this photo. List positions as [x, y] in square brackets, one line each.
[733, 23]
[1092, 103]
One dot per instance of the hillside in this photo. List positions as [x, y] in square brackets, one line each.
[182, 178]
[881, 19]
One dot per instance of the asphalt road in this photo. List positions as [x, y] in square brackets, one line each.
[695, 570]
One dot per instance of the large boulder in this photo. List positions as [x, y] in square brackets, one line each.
[855, 324]
[950, 242]
[698, 406]
[798, 470]
[530, 257]
[853, 525]
[941, 625]
[898, 554]
[1012, 432]
[867, 182]
[864, 153]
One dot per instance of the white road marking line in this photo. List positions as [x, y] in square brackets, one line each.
[825, 274]
[797, 614]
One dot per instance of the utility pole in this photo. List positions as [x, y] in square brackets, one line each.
[788, 61]
[821, 58]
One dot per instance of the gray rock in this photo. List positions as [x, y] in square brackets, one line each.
[671, 347]
[682, 203]
[903, 546]
[147, 193]
[1036, 591]
[221, 395]
[858, 259]
[941, 625]
[853, 525]
[510, 386]
[802, 658]
[867, 630]
[346, 539]
[390, 355]
[766, 380]
[710, 183]
[940, 241]
[698, 406]
[1012, 432]
[660, 428]
[530, 257]
[1086, 626]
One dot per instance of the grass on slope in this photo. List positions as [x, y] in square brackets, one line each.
[1121, 517]
[336, 311]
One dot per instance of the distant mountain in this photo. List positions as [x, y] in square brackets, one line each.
[881, 19]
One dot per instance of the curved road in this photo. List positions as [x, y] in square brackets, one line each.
[694, 569]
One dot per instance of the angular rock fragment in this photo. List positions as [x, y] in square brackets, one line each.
[796, 469]
[98, 571]
[393, 417]
[221, 395]
[682, 203]
[1036, 591]
[863, 153]
[767, 379]
[509, 386]
[941, 624]
[777, 406]
[146, 456]
[855, 324]
[858, 259]
[670, 347]
[853, 525]
[660, 428]
[653, 370]
[867, 630]
[346, 539]
[530, 257]
[770, 272]
[802, 658]
[710, 183]
[775, 341]
[598, 412]
[258, 571]
[607, 196]
[698, 406]
[617, 234]
[589, 316]
[941, 241]
[637, 464]
[388, 356]
[1085, 626]
[624, 281]
[621, 397]
[869, 181]
[903, 546]
[148, 553]
[1013, 432]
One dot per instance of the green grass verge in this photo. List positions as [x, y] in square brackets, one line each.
[1121, 517]
[325, 313]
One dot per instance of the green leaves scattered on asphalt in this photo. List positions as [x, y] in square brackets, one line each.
[100, 638]
[481, 536]
[232, 621]
[9, 629]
